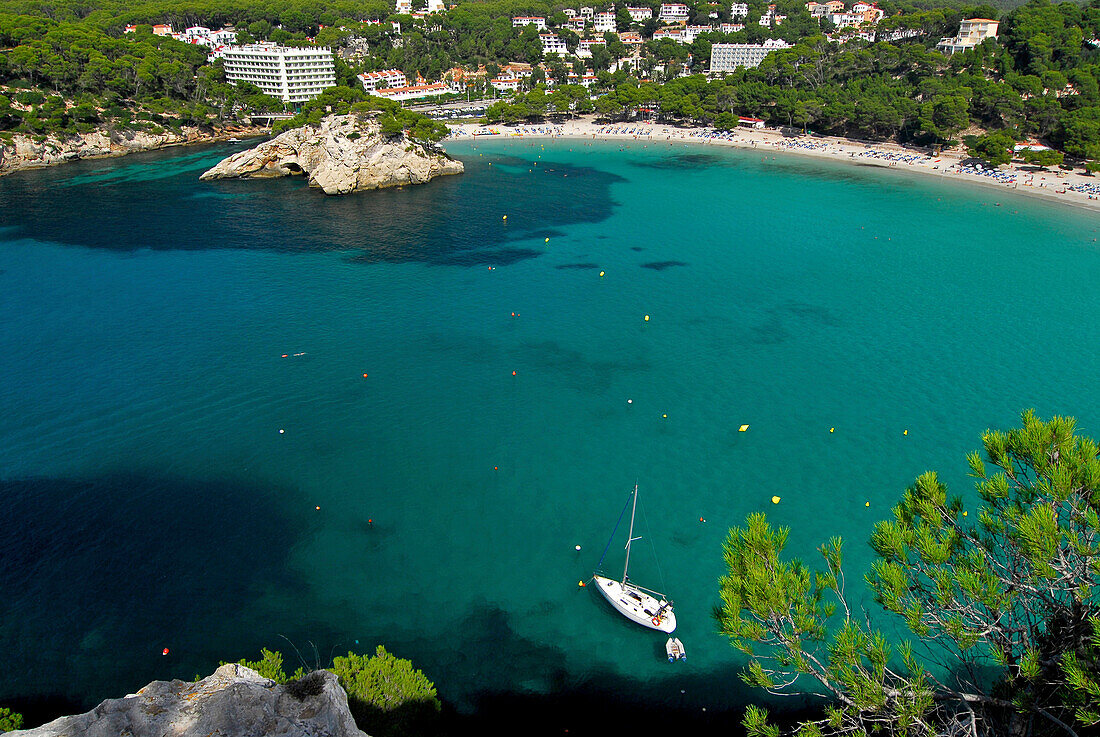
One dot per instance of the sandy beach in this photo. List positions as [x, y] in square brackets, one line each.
[1071, 188]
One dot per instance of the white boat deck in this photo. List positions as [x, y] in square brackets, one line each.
[637, 605]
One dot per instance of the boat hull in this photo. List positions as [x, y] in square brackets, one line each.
[636, 605]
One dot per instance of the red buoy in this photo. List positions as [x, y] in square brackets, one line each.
[164, 651]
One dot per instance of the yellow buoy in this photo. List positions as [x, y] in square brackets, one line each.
[504, 218]
[905, 433]
[831, 429]
[665, 416]
[581, 584]
[601, 273]
[964, 514]
[547, 240]
[647, 318]
[867, 504]
[775, 500]
[743, 428]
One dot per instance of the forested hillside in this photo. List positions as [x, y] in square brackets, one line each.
[68, 66]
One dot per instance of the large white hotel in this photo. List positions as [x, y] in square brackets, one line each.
[291, 74]
[728, 57]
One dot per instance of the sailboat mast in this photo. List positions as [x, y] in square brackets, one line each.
[630, 536]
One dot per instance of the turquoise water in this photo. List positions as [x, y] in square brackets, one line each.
[153, 502]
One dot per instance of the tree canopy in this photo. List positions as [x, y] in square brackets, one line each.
[1007, 599]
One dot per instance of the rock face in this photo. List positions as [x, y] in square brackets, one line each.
[233, 702]
[342, 155]
[24, 152]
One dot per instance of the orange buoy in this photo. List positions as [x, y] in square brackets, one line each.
[364, 376]
[513, 373]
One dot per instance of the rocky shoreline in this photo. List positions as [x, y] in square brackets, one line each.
[25, 152]
[234, 700]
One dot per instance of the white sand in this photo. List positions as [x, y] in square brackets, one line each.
[1052, 184]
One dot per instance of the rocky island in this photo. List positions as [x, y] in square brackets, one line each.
[344, 153]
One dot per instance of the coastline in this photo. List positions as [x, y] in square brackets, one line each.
[24, 153]
[1052, 185]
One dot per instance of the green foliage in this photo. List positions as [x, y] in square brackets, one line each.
[1008, 599]
[1043, 159]
[9, 720]
[993, 148]
[270, 665]
[1041, 78]
[387, 696]
[756, 724]
[393, 118]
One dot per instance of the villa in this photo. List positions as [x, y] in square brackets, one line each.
[971, 33]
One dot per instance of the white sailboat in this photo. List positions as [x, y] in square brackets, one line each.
[646, 607]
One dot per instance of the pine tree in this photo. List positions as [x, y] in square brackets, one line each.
[1013, 591]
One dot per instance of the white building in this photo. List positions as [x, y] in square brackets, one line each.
[291, 74]
[739, 10]
[508, 81]
[674, 13]
[537, 22]
[604, 22]
[584, 48]
[693, 32]
[728, 57]
[224, 36]
[436, 6]
[971, 33]
[730, 27]
[415, 92]
[552, 44]
[403, 7]
[587, 13]
[640, 15]
[385, 79]
[575, 23]
[672, 34]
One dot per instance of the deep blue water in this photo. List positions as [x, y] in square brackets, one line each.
[151, 500]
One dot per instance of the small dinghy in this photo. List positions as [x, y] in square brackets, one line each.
[675, 650]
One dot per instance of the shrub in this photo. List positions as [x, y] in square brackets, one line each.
[270, 665]
[306, 686]
[9, 720]
[387, 696]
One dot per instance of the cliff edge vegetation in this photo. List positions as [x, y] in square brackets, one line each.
[1004, 603]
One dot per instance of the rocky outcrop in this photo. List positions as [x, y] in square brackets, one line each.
[233, 702]
[28, 152]
[343, 154]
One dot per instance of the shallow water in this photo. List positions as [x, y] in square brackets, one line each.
[153, 501]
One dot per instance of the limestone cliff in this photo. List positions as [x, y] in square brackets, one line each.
[28, 152]
[343, 154]
[233, 702]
